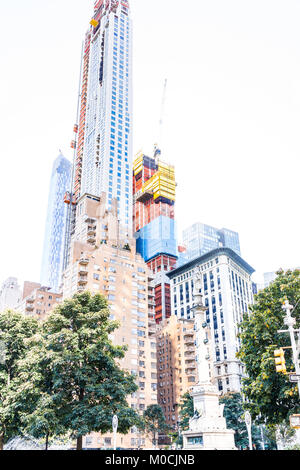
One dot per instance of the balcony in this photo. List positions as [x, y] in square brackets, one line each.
[82, 271]
[91, 231]
[191, 374]
[89, 220]
[29, 308]
[190, 369]
[84, 261]
[30, 300]
[152, 329]
[189, 350]
[189, 340]
[82, 281]
[190, 361]
[188, 333]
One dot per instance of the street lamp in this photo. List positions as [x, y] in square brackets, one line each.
[290, 322]
[248, 422]
[179, 434]
[115, 423]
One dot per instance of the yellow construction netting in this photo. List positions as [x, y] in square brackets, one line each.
[162, 183]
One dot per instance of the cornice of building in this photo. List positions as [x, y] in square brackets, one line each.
[210, 255]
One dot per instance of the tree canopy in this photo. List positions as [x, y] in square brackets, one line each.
[15, 331]
[186, 411]
[154, 422]
[268, 393]
[234, 413]
[62, 376]
[88, 385]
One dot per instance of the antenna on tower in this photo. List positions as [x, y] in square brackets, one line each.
[157, 150]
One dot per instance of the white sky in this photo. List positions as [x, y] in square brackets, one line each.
[232, 116]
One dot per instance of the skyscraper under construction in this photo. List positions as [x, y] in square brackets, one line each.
[102, 135]
[154, 190]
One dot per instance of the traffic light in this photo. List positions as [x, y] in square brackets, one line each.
[295, 421]
[280, 361]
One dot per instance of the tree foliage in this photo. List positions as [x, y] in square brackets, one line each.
[234, 413]
[268, 393]
[62, 376]
[154, 422]
[39, 410]
[88, 385]
[15, 331]
[186, 411]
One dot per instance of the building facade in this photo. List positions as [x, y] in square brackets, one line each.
[154, 190]
[176, 365]
[104, 155]
[10, 294]
[227, 291]
[200, 239]
[103, 132]
[38, 301]
[56, 222]
[104, 260]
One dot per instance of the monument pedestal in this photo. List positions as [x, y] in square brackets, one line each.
[207, 430]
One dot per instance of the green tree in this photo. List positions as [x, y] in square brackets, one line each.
[282, 433]
[269, 393]
[155, 422]
[186, 411]
[234, 413]
[38, 407]
[15, 332]
[88, 386]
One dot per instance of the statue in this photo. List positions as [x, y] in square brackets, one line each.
[198, 277]
[198, 287]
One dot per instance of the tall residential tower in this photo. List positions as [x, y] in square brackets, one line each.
[104, 147]
[53, 252]
[103, 132]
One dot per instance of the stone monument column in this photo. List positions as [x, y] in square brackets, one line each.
[207, 429]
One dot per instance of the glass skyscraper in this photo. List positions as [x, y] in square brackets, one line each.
[52, 261]
[104, 156]
[200, 239]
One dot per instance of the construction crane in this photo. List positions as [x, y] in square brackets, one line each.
[157, 151]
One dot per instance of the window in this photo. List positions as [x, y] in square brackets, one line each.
[196, 441]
